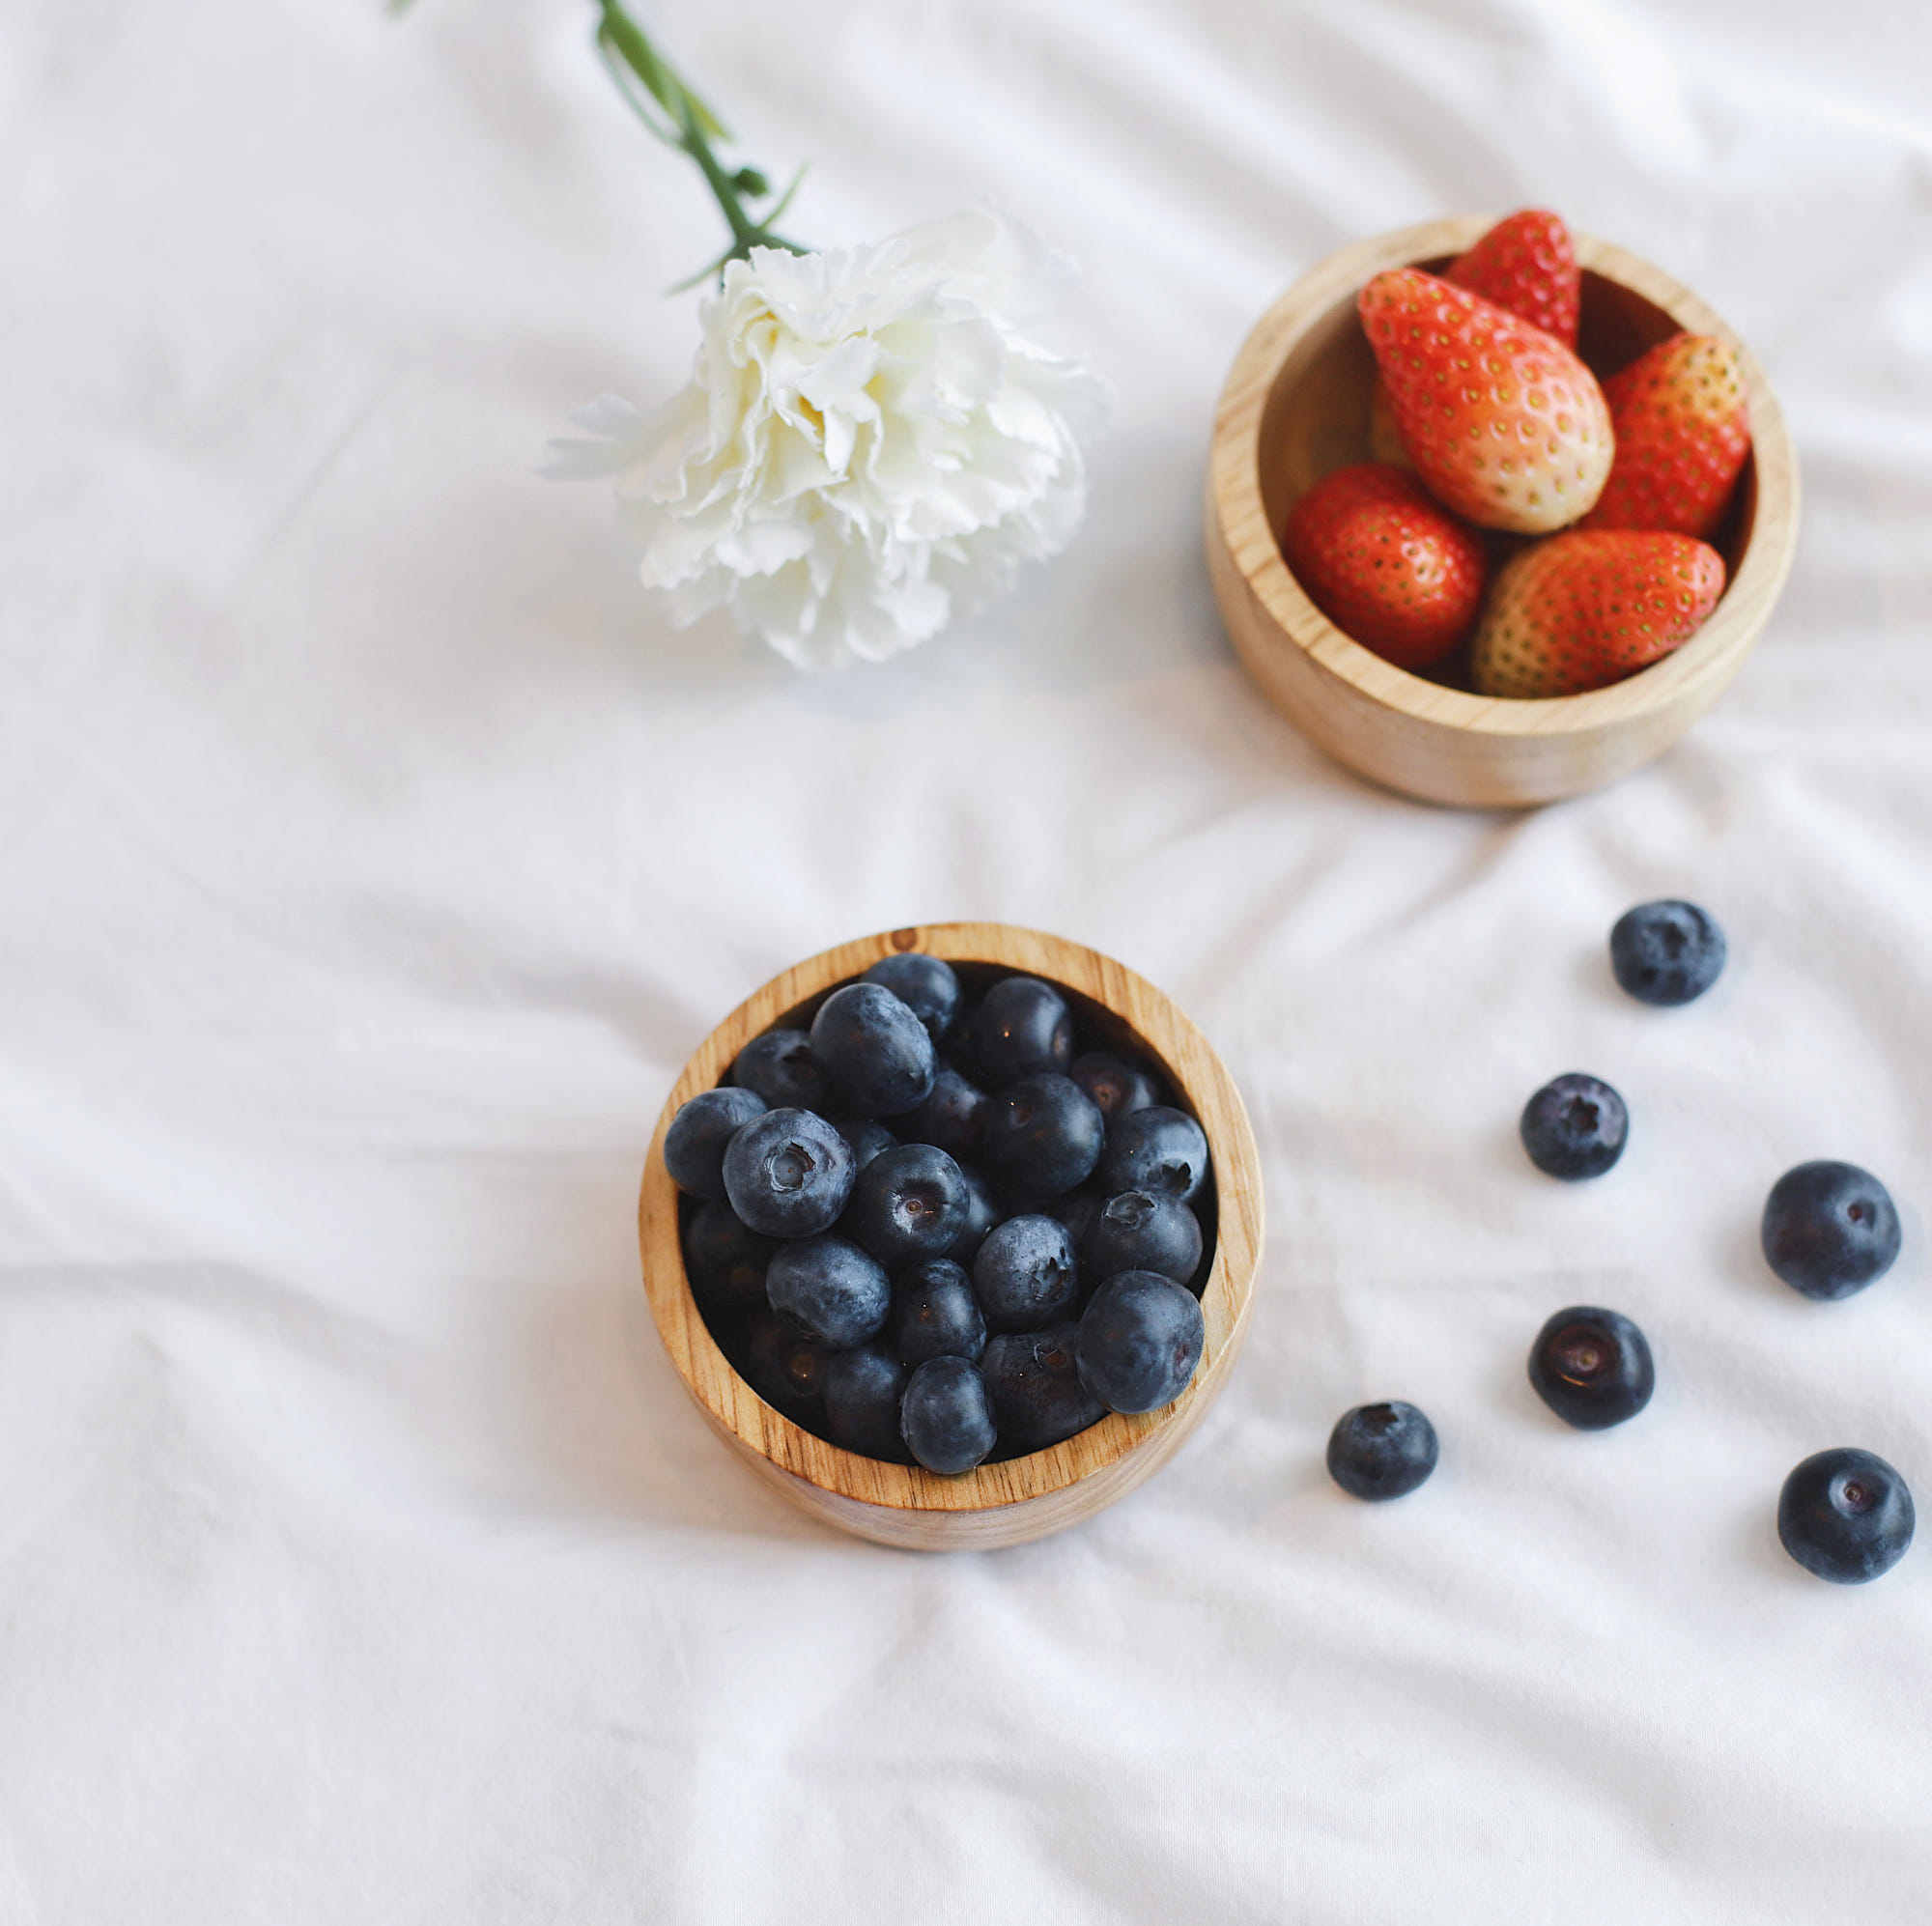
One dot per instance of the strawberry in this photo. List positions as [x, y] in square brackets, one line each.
[1382, 560]
[1527, 263]
[1505, 425]
[1683, 433]
[1588, 607]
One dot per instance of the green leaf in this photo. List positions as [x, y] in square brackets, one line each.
[784, 201]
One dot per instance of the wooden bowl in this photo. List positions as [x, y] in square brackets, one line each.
[1296, 406]
[1020, 1498]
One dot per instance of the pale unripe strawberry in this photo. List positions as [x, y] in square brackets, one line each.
[1527, 263]
[1585, 608]
[1504, 424]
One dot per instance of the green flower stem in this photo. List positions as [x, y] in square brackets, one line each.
[692, 128]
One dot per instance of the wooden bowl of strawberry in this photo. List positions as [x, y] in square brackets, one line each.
[1495, 511]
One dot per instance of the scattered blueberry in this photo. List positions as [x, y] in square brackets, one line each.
[1143, 1230]
[1830, 1229]
[830, 1288]
[780, 1067]
[1139, 1340]
[1022, 1027]
[861, 1400]
[1575, 1126]
[927, 987]
[868, 1136]
[1592, 1368]
[983, 1212]
[909, 1203]
[935, 1314]
[785, 1368]
[1667, 953]
[725, 1261]
[1033, 1378]
[946, 1417]
[950, 1116]
[1845, 1515]
[1382, 1451]
[874, 1051]
[789, 1173]
[694, 1150]
[1157, 1148]
[1116, 1086]
[1044, 1135]
[1025, 1274]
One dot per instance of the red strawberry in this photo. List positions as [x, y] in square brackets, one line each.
[1586, 608]
[1683, 433]
[1502, 422]
[1385, 564]
[1527, 263]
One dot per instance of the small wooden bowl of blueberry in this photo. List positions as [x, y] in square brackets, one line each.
[952, 1232]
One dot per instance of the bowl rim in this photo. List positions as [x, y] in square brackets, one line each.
[1711, 656]
[743, 1418]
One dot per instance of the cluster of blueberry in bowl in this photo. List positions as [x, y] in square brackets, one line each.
[1829, 1229]
[947, 1218]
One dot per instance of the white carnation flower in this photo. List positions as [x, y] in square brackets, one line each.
[870, 443]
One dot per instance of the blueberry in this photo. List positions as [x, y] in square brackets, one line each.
[1845, 1515]
[935, 1314]
[1116, 1086]
[868, 1136]
[1575, 1126]
[946, 1418]
[1021, 1028]
[1033, 1378]
[983, 1212]
[1139, 1340]
[874, 1050]
[787, 1368]
[694, 1150]
[909, 1203]
[780, 1067]
[1830, 1229]
[725, 1261]
[926, 985]
[1044, 1135]
[950, 1116]
[1143, 1230]
[1382, 1451]
[1667, 953]
[831, 1289]
[1025, 1275]
[789, 1173]
[1157, 1148]
[862, 1401]
[1592, 1368]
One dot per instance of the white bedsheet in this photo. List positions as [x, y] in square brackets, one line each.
[373, 855]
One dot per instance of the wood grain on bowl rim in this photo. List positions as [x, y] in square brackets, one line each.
[1024, 1497]
[1439, 742]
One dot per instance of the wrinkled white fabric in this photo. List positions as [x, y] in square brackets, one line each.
[374, 856]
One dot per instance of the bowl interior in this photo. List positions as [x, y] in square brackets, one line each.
[1316, 415]
[1099, 1028]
